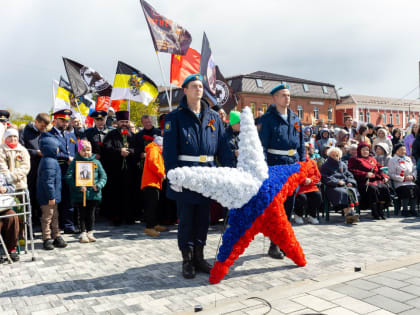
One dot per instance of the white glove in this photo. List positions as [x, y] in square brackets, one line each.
[176, 188]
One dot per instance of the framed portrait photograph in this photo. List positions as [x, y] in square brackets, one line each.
[85, 174]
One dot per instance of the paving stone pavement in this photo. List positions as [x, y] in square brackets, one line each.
[125, 272]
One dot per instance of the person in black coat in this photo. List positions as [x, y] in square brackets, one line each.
[232, 136]
[340, 184]
[120, 166]
[30, 140]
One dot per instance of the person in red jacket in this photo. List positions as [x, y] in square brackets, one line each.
[371, 181]
[151, 185]
[308, 197]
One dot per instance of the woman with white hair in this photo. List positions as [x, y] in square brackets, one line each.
[340, 184]
[382, 137]
[14, 159]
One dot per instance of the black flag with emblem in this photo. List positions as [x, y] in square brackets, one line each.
[167, 35]
[226, 98]
[208, 70]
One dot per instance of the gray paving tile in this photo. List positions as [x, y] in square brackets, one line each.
[387, 304]
[394, 294]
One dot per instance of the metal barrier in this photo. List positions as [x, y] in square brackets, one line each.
[27, 220]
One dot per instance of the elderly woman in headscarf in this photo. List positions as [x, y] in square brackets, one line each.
[403, 173]
[340, 184]
[382, 137]
[14, 159]
[343, 140]
[324, 139]
[371, 181]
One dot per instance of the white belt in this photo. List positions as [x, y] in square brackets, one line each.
[192, 158]
[290, 152]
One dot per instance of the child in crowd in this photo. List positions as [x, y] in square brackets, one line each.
[49, 192]
[382, 154]
[151, 184]
[93, 194]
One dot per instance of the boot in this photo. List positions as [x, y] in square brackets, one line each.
[160, 228]
[275, 252]
[375, 212]
[151, 232]
[413, 204]
[200, 263]
[83, 237]
[188, 269]
[381, 207]
[404, 211]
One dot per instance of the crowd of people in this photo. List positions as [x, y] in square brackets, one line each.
[359, 165]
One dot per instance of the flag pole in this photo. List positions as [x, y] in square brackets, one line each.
[164, 82]
[53, 94]
[128, 108]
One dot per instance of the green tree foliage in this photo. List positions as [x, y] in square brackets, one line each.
[18, 118]
[137, 110]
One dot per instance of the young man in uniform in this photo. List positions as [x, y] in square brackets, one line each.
[281, 135]
[193, 135]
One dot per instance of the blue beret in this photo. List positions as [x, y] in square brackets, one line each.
[279, 87]
[192, 77]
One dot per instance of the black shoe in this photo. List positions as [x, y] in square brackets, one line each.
[275, 252]
[14, 256]
[60, 242]
[188, 269]
[69, 231]
[200, 263]
[405, 213]
[412, 213]
[48, 244]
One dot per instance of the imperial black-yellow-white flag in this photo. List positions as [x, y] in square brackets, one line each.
[131, 84]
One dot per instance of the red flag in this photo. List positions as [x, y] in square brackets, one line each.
[102, 103]
[115, 104]
[183, 66]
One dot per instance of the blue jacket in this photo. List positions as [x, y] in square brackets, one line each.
[279, 134]
[67, 147]
[186, 134]
[49, 173]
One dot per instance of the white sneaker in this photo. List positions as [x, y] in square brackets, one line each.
[298, 219]
[312, 220]
[90, 236]
[83, 237]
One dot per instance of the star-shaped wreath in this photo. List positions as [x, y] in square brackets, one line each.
[253, 192]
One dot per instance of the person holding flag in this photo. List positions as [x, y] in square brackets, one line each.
[67, 151]
[193, 135]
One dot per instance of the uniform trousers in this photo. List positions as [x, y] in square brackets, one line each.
[193, 224]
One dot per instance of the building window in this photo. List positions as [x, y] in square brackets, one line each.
[316, 113]
[306, 87]
[229, 82]
[384, 118]
[391, 118]
[324, 89]
[259, 83]
[361, 116]
[368, 117]
[264, 107]
[397, 119]
[176, 93]
[300, 111]
[253, 108]
[330, 113]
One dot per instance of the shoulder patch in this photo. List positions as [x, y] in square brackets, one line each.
[168, 126]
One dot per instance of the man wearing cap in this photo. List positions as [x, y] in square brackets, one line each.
[67, 151]
[96, 134]
[120, 167]
[281, 136]
[390, 127]
[4, 118]
[193, 136]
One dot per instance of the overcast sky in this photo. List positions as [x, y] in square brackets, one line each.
[365, 47]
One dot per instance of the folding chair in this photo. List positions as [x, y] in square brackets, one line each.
[27, 220]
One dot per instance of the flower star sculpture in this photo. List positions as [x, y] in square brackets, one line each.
[254, 192]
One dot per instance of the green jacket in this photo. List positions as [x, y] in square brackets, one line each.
[100, 180]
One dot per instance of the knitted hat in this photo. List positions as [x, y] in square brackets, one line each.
[234, 117]
[10, 132]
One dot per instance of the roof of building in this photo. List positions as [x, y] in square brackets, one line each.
[376, 101]
[261, 82]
